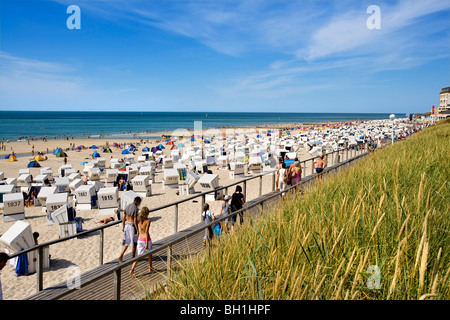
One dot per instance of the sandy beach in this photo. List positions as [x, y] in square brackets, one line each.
[83, 252]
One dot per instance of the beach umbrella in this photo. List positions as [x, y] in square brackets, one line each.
[154, 149]
[125, 151]
[33, 164]
[170, 143]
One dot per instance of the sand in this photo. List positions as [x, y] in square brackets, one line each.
[83, 252]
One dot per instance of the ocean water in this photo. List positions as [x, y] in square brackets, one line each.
[26, 124]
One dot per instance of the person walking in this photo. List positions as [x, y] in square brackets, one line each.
[278, 167]
[208, 217]
[225, 211]
[237, 203]
[130, 227]
[144, 240]
[283, 178]
[320, 165]
[296, 173]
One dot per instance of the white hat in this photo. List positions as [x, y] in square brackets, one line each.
[227, 197]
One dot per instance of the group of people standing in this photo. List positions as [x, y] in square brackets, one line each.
[292, 176]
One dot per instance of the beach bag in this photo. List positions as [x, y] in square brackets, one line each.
[217, 230]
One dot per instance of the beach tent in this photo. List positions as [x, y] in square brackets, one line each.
[125, 151]
[57, 151]
[93, 147]
[145, 149]
[154, 149]
[107, 150]
[83, 163]
[38, 158]
[96, 154]
[169, 143]
[61, 154]
[33, 164]
[181, 145]
[12, 158]
[161, 147]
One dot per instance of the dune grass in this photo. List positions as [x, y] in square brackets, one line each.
[389, 212]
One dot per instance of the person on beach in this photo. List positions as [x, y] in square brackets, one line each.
[208, 217]
[296, 173]
[121, 184]
[237, 203]
[3, 259]
[320, 165]
[283, 178]
[225, 211]
[144, 240]
[130, 227]
[106, 220]
[278, 167]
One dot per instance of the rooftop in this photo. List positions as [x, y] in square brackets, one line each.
[445, 90]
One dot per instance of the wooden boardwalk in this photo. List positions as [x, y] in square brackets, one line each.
[133, 288]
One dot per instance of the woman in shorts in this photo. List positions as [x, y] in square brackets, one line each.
[144, 242]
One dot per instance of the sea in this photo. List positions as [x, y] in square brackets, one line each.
[22, 125]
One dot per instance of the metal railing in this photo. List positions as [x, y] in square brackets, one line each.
[339, 158]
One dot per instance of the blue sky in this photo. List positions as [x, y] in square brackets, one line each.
[246, 55]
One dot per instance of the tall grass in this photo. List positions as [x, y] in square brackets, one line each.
[389, 210]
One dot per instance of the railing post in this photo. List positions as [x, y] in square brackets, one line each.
[203, 202]
[244, 190]
[260, 185]
[117, 283]
[312, 165]
[274, 177]
[40, 269]
[100, 253]
[169, 260]
[175, 222]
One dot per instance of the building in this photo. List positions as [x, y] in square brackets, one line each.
[444, 100]
[443, 111]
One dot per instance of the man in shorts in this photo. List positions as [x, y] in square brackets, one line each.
[130, 227]
[320, 165]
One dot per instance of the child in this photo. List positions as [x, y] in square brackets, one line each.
[208, 217]
[144, 241]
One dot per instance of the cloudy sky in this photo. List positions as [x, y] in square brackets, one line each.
[246, 55]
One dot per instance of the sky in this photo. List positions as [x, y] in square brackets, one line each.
[246, 55]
